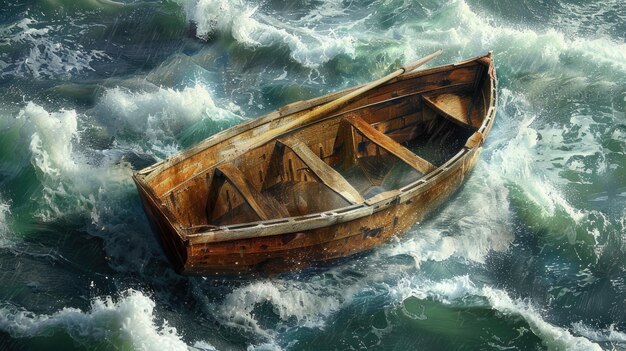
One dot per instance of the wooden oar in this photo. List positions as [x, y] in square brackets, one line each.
[335, 104]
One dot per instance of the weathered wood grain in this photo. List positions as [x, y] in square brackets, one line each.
[327, 174]
[390, 145]
[264, 206]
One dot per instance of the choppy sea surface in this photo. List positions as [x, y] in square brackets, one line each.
[529, 255]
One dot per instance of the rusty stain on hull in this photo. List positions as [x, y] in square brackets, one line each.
[274, 195]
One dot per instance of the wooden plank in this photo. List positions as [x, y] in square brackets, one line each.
[459, 75]
[325, 173]
[474, 141]
[163, 176]
[454, 107]
[316, 129]
[390, 145]
[215, 184]
[264, 206]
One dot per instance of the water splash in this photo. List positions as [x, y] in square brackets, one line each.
[458, 289]
[166, 117]
[5, 233]
[307, 46]
[126, 322]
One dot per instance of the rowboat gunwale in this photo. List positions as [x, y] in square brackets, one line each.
[285, 225]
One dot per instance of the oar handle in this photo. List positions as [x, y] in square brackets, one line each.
[341, 101]
[413, 65]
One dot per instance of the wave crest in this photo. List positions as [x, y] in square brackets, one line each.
[125, 323]
[250, 28]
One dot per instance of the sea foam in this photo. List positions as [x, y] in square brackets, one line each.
[464, 30]
[163, 115]
[469, 227]
[454, 290]
[128, 322]
[45, 57]
[294, 303]
[608, 335]
[5, 213]
[64, 172]
[308, 46]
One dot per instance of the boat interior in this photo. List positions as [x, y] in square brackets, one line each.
[385, 140]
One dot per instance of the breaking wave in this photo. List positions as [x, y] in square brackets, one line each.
[72, 165]
[84, 161]
[166, 117]
[470, 227]
[608, 335]
[455, 290]
[309, 46]
[305, 305]
[5, 213]
[128, 322]
[314, 304]
[71, 182]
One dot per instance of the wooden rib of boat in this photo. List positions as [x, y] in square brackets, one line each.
[313, 181]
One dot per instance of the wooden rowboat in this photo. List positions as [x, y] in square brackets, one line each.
[325, 178]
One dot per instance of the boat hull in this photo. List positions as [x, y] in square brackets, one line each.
[303, 249]
[290, 243]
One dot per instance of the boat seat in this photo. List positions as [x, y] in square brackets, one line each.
[456, 108]
[390, 145]
[322, 170]
[265, 207]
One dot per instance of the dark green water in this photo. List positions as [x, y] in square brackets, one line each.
[530, 255]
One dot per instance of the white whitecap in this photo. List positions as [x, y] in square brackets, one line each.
[607, 335]
[308, 46]
[474, 224]
[307, 304]
[5, 233]
[453, 290]
[128, 322]
[553, 337]
[463, 30]
[51, 139]
[47, 57]
[162, 114]
[71, 182]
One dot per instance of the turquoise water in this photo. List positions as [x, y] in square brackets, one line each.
[529, 255]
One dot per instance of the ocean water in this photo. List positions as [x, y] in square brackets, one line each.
[529, 255]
